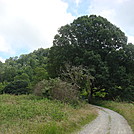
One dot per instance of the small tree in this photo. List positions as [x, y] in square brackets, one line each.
[80, 78]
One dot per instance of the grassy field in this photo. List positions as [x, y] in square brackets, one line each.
[28, 114]
[125, 109]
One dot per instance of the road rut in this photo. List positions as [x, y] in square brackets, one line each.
[107, 122]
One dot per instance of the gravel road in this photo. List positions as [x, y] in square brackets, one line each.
[108, 122]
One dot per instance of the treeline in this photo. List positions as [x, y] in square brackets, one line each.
[18, 75]
[90, 54]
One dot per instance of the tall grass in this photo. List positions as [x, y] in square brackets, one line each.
[125, 109]
[29, 114]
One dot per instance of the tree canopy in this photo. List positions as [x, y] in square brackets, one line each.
[96, 44]
[23, 72]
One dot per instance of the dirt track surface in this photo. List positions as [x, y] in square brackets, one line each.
[108, 122]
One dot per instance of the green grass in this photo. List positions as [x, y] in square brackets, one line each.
[125, 109]
[29, 114]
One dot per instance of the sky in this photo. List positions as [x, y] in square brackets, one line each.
[26, 25]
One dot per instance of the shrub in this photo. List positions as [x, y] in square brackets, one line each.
[17, 87]
[2, 86]
[57, 89]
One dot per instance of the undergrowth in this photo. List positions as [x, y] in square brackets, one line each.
[29, 114]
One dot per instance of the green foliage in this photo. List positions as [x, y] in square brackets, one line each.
[2, 86]
[80, 78]
[57, 89]
[9, 73]
[22, 76]
[40, 74]
[85, 36]
[128, 93]
[29, 114]
[100, 94]
[30, 69]
[93, 42]
[17, 87]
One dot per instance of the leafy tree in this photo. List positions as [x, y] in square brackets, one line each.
[9, 73]
[29, 71]
[80, 78]
[30, 68]
[1, 71]
[40, 74]
[96, 44]
[129, 61]
[86, 36]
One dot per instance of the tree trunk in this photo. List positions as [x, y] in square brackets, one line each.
[90, 96]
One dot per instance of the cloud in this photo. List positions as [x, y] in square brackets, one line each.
[131, 39]
[4, 46]
[122, 1]
[77, 2]
[118, 12]
[2, 60]
[30, 24]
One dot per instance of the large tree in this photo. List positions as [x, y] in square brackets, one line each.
[95, 43]
[86, 41]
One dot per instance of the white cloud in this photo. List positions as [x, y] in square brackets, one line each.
[77, 2]
[131, 39]
[122, 1]
[2, 60]
[109, 14]
[30, 24]
[4, 47]
[118, 12]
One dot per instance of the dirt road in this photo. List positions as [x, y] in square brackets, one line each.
[108, 122]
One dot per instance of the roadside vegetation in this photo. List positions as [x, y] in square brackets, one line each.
[29, 114]
[123, 108]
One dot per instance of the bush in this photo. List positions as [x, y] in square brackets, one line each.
[2, 86]
[57, 89]
[17, 87]
[121, 93]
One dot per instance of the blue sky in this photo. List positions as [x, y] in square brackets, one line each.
[78, 7]
[26, 25]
